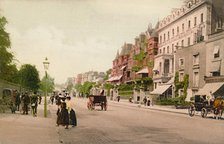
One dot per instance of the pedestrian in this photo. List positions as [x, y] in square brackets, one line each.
[73, 118]
[22, 103]
[40, 99]
[118, 98]
[59, 119]
[64, 115]
[148, 101]
[34, 103]
[145, 100]
[130, 99]
[68, 103]
[18, 101]
[26, 102]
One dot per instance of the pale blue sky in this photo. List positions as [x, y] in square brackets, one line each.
[77, 35]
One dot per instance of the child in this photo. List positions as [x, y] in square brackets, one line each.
[73, 118]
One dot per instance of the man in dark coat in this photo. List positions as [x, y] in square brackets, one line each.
[18, 101]
[26, 100]
[34, 103]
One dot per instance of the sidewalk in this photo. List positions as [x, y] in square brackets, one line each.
[171, 109]
[26, 129]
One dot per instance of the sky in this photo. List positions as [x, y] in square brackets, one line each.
[77, 35]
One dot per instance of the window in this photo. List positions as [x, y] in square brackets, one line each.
[189, 24]
[181, 62]
[196, 59]
[215, 73]
[128, 74]
[173, 32]
[196, 79]
[160, 39]
[164, 37]
[172, 48]
[189, 41]
[195, 21]
[182, 43]
[168, 49]
[164, 50]
[182, 27]
[177, 30]
[216, 52]
[181, 76]
[168, 35]
[166, 66]
[202, 18]
[181, 92]
[160, 67]
[160, 51]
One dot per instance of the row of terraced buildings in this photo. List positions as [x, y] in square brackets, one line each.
[187, 45]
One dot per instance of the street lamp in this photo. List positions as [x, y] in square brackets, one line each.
[46, 66]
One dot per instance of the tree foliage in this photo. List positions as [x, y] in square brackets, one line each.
[8, 70]
[85, 88]
[47, 84]
[29, 77]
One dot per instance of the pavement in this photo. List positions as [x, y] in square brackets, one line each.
[170, 109]
[26, 129]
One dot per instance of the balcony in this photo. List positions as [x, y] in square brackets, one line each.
[164, 77]
[213, 79]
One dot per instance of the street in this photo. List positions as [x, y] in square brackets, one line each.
[133, 125]
[121, 124]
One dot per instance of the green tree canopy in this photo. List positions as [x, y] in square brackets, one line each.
[47, 84]
[8, 70]
[85, 88]
[29, 77]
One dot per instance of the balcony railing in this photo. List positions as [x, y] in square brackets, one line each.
[212, 79]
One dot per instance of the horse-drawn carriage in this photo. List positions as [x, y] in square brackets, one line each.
[201, 104]
[97, 100]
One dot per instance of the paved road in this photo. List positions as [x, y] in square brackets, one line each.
[123, 124]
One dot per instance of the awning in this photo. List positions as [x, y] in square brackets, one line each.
[210, 88]
[160, 89]
[123, 67]
[118, 77]
[115, 78]
[110, 79]
[143, 71]
[215, 66]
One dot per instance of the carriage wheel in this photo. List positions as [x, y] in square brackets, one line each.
[191, 111]
[204, 112]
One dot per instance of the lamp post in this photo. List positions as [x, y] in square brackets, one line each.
[46, 66]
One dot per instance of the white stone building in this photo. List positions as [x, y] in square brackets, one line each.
[184, 27]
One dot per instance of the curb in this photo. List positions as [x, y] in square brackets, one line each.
[149, 108]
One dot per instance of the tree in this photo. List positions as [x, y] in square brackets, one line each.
[108, 72]
[29, 77]
[8, 70]
[47, 84]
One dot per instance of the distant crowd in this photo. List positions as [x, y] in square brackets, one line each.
[22, 102]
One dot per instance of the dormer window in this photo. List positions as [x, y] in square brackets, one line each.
[189, 4]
